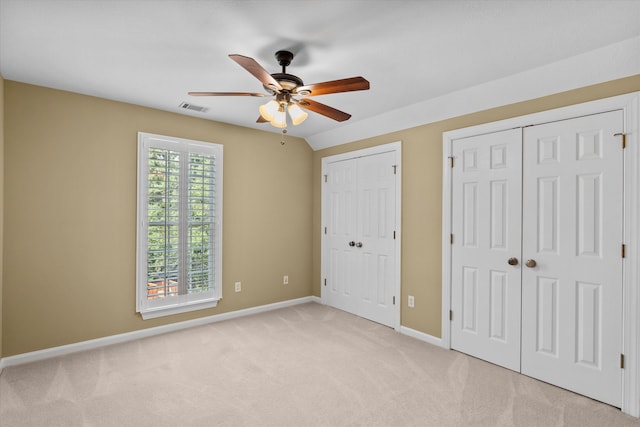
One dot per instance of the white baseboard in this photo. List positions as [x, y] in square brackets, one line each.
[48, 353]
[144, 333]
[421, 336]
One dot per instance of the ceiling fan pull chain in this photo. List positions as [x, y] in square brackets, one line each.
[284, 131]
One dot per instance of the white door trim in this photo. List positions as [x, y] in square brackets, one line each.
[630, 104]
[395, 147]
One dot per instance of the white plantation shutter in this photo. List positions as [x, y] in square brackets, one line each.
[163, 222]
[179, 225]
[201, 222]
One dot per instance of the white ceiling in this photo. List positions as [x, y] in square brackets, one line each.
[418, 55]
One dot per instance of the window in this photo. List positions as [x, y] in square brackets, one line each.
[179, 225]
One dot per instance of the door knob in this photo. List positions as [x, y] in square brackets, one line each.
[512, 261]
[352, 243]
[531, 263]
[359, 245]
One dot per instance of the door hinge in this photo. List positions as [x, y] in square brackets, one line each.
[395, 167]
[394, 300]
[622, 361]
[325, 230]
[624, 250]
[451, 238]
[450, 314]
[394, 234]
[326, 177]
[624, 139]
[325, 282]
[451, 161]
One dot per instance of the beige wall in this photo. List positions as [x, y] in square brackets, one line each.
[422, 196]
[1, 199]
[69, 239]
[70, 215]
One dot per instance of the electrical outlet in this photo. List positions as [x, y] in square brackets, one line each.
[411, 301]
[238, 286]
[285, 280]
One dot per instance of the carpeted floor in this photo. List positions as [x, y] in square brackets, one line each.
[307, 365]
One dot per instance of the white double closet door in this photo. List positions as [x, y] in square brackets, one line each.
[537, 222]
[359, 241]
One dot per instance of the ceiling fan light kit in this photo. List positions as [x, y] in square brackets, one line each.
[286, 87]
[279, 119]
[297, 115]
[269, 110]
[274, 111]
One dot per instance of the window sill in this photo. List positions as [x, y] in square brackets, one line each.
[177, 309]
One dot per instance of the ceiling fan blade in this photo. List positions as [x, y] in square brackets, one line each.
[226, 94]
[258, 72]
[335, 86]
[325, 110]
[261, 120]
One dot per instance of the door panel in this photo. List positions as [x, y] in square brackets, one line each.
[485, 290]
[546, 306]
[572, 228]
[497, 305]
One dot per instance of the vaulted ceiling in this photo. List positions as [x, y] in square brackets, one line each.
[420, 56]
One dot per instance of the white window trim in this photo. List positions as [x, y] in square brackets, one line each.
[150, 311]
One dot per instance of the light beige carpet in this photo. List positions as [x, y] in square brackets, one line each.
[308, 365]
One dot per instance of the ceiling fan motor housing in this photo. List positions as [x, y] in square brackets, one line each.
[288, 81]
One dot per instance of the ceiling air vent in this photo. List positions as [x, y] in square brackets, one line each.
[192, 107]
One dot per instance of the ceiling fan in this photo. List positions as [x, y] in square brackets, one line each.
[290, 92]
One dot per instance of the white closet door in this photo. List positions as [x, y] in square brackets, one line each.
[485, 289]
[343, 281]
[361, 217]
[572, 229]
[375, 244]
